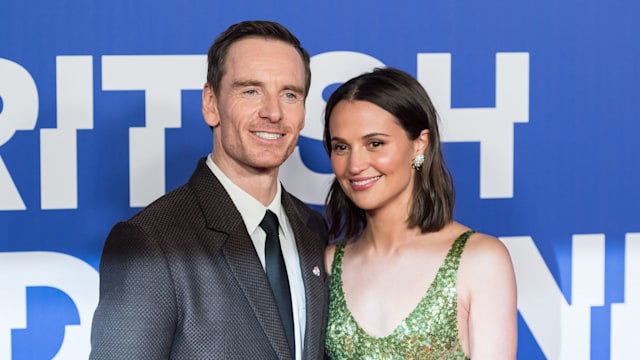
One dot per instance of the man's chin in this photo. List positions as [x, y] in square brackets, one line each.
[266, 165]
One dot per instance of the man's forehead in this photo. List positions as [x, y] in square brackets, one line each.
[251, 58]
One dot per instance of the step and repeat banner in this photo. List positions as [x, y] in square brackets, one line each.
[100, 114]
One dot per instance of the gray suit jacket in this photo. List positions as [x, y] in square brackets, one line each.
[181, 280]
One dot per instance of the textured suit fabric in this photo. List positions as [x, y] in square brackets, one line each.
[181, 280]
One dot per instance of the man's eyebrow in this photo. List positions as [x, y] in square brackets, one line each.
[294, 88]
[243, 83]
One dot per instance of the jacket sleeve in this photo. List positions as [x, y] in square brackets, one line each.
[136, 315]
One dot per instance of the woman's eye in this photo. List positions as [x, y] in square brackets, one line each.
[339, 148]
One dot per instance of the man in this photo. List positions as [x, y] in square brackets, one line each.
[187, 277]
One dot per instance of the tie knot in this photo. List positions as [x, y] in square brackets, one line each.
[270, 223]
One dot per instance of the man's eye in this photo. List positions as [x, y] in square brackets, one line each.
[250, 92]
[290, 96]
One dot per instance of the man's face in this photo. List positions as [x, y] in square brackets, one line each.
[259, 110]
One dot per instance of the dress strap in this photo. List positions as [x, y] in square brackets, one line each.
[458, 246]
[336, 266]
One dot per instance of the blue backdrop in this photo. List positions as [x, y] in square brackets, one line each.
[100, 114]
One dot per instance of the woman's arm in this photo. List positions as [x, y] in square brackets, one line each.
[493, 321]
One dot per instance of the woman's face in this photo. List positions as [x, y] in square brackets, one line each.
[371, 156]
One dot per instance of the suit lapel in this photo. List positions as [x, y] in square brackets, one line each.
[221, 215]
[248, 271]
[310, 246]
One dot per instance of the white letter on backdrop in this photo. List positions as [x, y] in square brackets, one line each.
[76, 278]
[162, 77]
[19, 112]
[563, 331]
[492, 127]
[626, 317]
[59, 146]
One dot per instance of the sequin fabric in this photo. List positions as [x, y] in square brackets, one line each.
[430, 331]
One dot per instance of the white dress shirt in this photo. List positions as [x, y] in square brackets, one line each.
[252, 212]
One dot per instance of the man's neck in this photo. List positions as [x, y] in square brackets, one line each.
[261, 184]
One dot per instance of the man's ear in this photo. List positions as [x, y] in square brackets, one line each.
[209, 106]
[422, 142]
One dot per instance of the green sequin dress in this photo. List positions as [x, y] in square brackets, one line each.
[429, 332]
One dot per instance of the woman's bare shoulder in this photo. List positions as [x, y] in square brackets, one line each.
[485, 256]
[482, 245]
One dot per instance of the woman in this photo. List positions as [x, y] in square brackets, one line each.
[407, 281]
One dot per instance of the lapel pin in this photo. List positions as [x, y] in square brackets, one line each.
[316, 270]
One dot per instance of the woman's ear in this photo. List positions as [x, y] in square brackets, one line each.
[422, 142]
[209, 106]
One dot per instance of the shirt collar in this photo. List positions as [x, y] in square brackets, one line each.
[251, 210]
